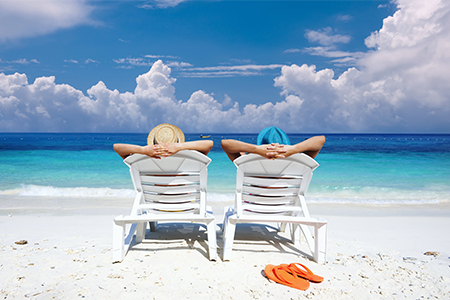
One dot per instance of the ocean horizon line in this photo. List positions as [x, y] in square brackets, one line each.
[219, 133]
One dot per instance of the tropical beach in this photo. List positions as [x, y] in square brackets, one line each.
[373, 253]
[388, 243]
[77, 77]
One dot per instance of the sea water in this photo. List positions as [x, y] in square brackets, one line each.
[378, 169]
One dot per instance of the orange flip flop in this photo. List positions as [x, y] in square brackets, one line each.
[304, 272]
[281, 274]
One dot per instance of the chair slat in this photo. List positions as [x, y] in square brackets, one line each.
[170, 180]
[270, 192]
[171, 190]
[275, 182]
[174, 199]
[259, 200]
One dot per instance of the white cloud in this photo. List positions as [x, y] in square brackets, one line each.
[344, 18]
[161, 3]
[228, 71]
[71, 61]
[401, 86]
[46, 106]
[23, 18]
[342, 58]
[161, 56]
[91, 61]
[24, 61]
[292, 50]
[130, 62]
[328, 40]
[178, 64]
[325, 37]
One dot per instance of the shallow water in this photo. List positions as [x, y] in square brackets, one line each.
[354, 168]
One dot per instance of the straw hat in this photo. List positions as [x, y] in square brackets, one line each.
[165, 133]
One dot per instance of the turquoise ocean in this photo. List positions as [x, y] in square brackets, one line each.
[377, 169]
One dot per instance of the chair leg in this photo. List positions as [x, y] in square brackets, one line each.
[118, 242]
[282, 227]
[295, 233]
[140, 232]
[212, 243]
[228, 238]
[227, 212]
[308, 236]
[122, 237]
[153, 226]
[320, 247]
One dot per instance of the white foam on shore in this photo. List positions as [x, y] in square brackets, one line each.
[378, 196]
[80, 192]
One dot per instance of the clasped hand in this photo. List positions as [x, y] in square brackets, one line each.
[274, 150]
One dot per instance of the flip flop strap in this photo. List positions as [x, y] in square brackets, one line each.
[278, 271]
[300, 271]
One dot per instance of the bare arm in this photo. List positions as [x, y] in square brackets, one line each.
[234, 149]
[311, 147]
[162, 150]
[202, 146]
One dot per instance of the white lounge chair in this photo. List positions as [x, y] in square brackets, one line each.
[168, 189]
[274, 191]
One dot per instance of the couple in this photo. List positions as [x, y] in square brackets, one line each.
[166, 139]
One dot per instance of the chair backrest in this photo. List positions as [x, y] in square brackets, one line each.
[273, 186]
[173, 184]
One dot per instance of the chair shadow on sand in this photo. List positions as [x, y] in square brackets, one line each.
[174, 236]
[255, 238]
[264, 238]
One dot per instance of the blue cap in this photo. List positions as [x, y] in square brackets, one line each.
[271, 135]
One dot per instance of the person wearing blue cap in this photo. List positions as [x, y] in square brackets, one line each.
[273, 143]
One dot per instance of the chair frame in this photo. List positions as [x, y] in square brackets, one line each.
[163, 195]
[275, 193]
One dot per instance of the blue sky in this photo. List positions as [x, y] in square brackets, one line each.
[224, 66]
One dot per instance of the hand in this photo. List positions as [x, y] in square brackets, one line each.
[159, 150]
[152, 151]
[272, 151]
[168, 149]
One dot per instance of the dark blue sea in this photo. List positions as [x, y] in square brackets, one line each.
[379, 169]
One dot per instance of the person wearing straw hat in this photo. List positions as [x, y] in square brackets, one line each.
[273, 143]
[163, 140]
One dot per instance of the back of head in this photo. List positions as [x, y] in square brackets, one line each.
[165, 133]
[271, 135]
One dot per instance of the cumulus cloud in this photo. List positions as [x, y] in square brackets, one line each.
[399, 86]
[46, 106]
[21, 18]
[402, 86]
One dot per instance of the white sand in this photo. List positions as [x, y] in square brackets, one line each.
[373, 253]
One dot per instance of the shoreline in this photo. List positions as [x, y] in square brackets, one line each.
[373, 253]
[55, 205]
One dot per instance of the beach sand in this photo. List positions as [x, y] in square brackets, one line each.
[374, 252]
